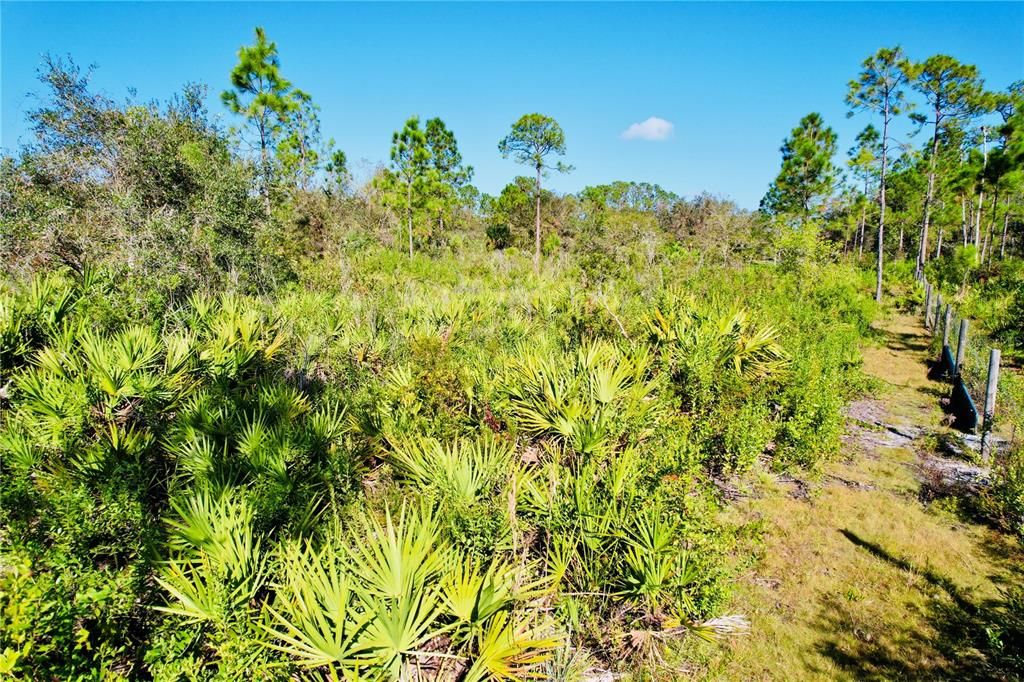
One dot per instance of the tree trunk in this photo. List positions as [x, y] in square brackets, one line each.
[922, 253]
[990, 238]
[981, 197]
[863, 220]
[881, 196]
[963, 217]
[938, 246]
[265, 168]
[536, 231]
[977, 220]
[303, 161]
[1006, 224]
[408, 212]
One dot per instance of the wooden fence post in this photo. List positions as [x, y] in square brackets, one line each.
[946, 321]
[927, 304]
[935, 317]
[990, 401]
[961, 347]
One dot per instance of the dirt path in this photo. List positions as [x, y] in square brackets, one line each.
[858, 575]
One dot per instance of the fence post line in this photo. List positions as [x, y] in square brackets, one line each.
[927, 303]
[946, 320]
[990, 400]
[961, 347]
[935, 316]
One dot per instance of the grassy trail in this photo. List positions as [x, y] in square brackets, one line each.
[857, 577]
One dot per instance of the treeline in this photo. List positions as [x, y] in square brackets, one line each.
[124, 184]
[242, 206]
[958, 194]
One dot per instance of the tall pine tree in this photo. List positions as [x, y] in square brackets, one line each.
[808, 175]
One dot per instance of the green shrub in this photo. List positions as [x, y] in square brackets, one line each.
[1004, 498]
[499, 235]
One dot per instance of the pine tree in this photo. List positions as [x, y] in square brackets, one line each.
[533, 138]
[953, 93]
[879, 89]
[808, 175]
[409, 160]
[447, 174]
[863, 162]
[263, 96]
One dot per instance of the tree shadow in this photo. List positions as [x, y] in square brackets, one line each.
[937, 392]
[956, 645]
[938, 372]
[930, 575]
[906, 341]
[1004, 551]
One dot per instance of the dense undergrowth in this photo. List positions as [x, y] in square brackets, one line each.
[450, 465]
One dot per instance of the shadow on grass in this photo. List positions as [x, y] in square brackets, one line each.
[961, 640]
[928, 574]
[1004, 551]
[906, 341]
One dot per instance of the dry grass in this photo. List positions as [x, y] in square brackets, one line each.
[860, 580]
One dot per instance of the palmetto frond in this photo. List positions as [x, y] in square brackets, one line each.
[581, 399]
[219, 565]
[179, 359]
[316, 618]
[237, 339]
[58, 408]
[464, 469]
[197, 457]
[328, 424]
[473, 594]
[126, 441]
[197, 592]
[460, 591]
[18, 451]
[370, 606]
[31, 317]
[400, 626]
[736, 342]
[49, 300]
[758, 352]
[283, 402]
[512, 647]
[59, 360]
[217, 524]
[655, 569]
[390, 560]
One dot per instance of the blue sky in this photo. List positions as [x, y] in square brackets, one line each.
[732, 78]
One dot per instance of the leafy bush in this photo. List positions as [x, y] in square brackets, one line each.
[499, 235]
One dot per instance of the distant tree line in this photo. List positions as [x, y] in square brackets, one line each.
[962, 187]
[243, 206]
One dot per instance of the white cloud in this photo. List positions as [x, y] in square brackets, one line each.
[653, 128]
